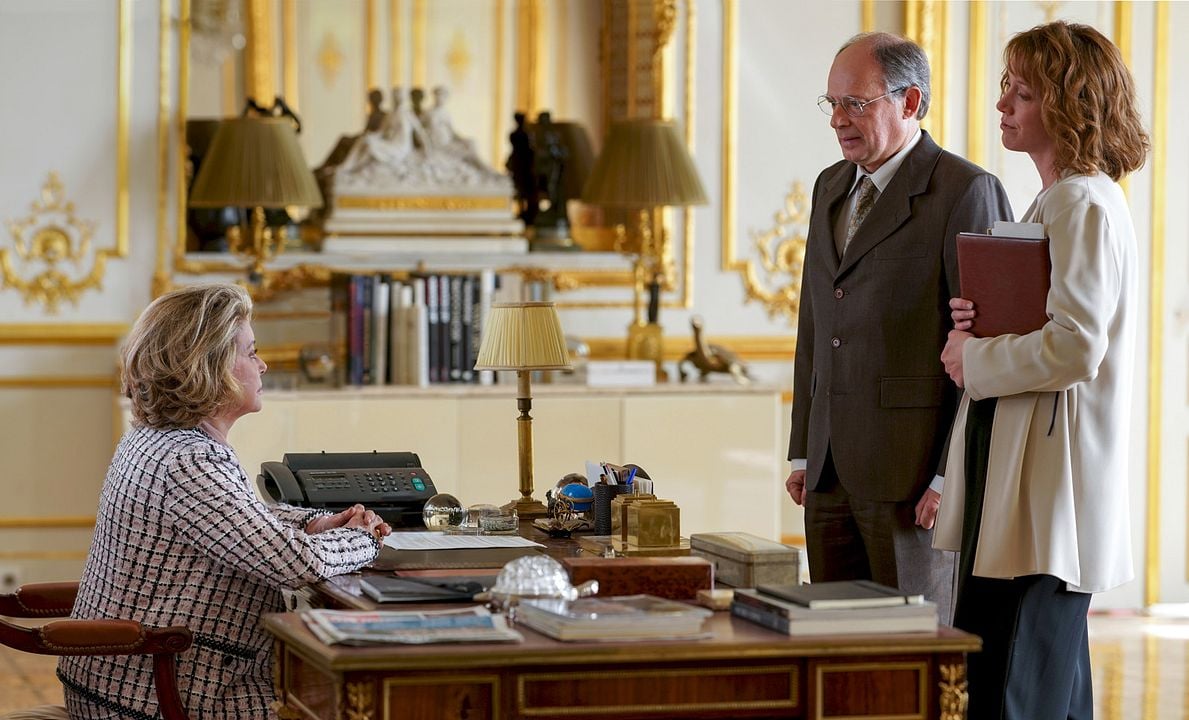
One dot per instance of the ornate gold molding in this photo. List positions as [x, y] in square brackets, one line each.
[784, 257]
[674, 347]
[1156, 310]
[258, 54]
[954, 696]
[47, 523]
[925, 22]
[371, 46]
[289, 73]
[54, 236]
[29, 382]
[61, 334]
[360, 702]
[976, 80]
[395, 61]
[396, 202]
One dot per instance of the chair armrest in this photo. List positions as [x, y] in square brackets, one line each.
[96, 637]
[35, 600]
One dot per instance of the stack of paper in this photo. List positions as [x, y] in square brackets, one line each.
[628, 617]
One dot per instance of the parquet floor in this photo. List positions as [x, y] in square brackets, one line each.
[1139, 664]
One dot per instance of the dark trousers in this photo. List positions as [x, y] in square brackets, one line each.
[850, 538]
[1035, 661]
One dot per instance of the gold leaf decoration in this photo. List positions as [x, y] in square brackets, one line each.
[458, 59]
[954, 696]
[51, 246]
[330, 59]
[782, 255]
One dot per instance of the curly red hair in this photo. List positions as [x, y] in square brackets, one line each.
[1087, 96]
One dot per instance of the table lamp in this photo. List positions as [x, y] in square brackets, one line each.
[255, 162]
[645, 165]
[523, 336]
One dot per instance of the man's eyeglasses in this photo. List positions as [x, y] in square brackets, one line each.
[852, 105]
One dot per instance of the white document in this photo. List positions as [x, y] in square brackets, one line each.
[1032, 231]
[442, 541]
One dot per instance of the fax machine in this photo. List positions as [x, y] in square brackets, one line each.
[393, 484]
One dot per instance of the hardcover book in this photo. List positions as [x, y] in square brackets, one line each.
[1006, 275]
[836, 622]
[631, 617]
[841, 595]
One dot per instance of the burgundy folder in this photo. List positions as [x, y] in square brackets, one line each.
[1007, 278]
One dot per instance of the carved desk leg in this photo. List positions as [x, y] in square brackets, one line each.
[954, 697]
[358, 701]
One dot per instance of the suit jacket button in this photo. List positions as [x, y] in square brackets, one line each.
[836, 342]
[228, 661]
[838, 293]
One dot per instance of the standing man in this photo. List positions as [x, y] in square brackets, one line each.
[872, 406]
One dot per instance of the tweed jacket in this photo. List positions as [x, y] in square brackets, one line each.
[180, 539]
[1057, 483]
[868, 383]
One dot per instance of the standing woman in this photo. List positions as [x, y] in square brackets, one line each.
[1037, 494]
[180, 539]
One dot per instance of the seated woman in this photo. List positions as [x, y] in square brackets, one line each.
[180, 538]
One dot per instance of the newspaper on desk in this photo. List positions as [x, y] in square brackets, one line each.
[383, 627]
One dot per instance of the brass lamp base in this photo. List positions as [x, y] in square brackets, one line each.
[527, 508]
[646, 342]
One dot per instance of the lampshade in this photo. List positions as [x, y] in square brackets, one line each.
[644, 163]
[255, 162]
[523, 336]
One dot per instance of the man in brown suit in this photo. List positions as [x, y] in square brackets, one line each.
[872, 406]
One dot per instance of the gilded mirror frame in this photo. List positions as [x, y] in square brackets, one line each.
[644, 31]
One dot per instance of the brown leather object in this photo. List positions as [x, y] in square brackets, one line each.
[675, 578]
[1007, 278]
[40, 600]
[93, 635]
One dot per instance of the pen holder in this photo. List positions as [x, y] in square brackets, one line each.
[603, 494]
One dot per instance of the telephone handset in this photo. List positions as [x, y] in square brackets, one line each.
[393, 484]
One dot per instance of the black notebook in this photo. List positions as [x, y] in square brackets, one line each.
[455, 588]
[842, 594]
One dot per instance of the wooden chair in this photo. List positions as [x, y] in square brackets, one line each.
[90, 637]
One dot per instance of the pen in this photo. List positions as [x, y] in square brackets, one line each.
[631, 476]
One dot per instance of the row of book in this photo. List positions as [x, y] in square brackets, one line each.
[835, 608]
[418, 331]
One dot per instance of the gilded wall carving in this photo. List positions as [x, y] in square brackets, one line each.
[51, 258]
[781, 248]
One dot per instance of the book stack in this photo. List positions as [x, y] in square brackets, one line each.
[627, 617]
[852, 607]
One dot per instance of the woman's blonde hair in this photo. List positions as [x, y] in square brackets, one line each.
[1087, 97]
[177, 364]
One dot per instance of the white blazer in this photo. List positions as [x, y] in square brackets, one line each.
[1056, 500]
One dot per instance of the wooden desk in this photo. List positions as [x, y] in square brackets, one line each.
[742, 671]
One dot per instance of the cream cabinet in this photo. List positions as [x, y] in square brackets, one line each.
[715, 450]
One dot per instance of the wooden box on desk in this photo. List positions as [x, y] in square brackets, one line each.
[675, 578]
[745, 560]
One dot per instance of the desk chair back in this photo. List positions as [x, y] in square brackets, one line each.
[90, 637]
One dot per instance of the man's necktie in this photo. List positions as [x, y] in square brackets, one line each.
[866, 198]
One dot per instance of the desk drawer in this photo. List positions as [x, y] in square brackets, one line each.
[729, 691]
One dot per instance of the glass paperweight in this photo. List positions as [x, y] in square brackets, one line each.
[442, 511]
[536, 576]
